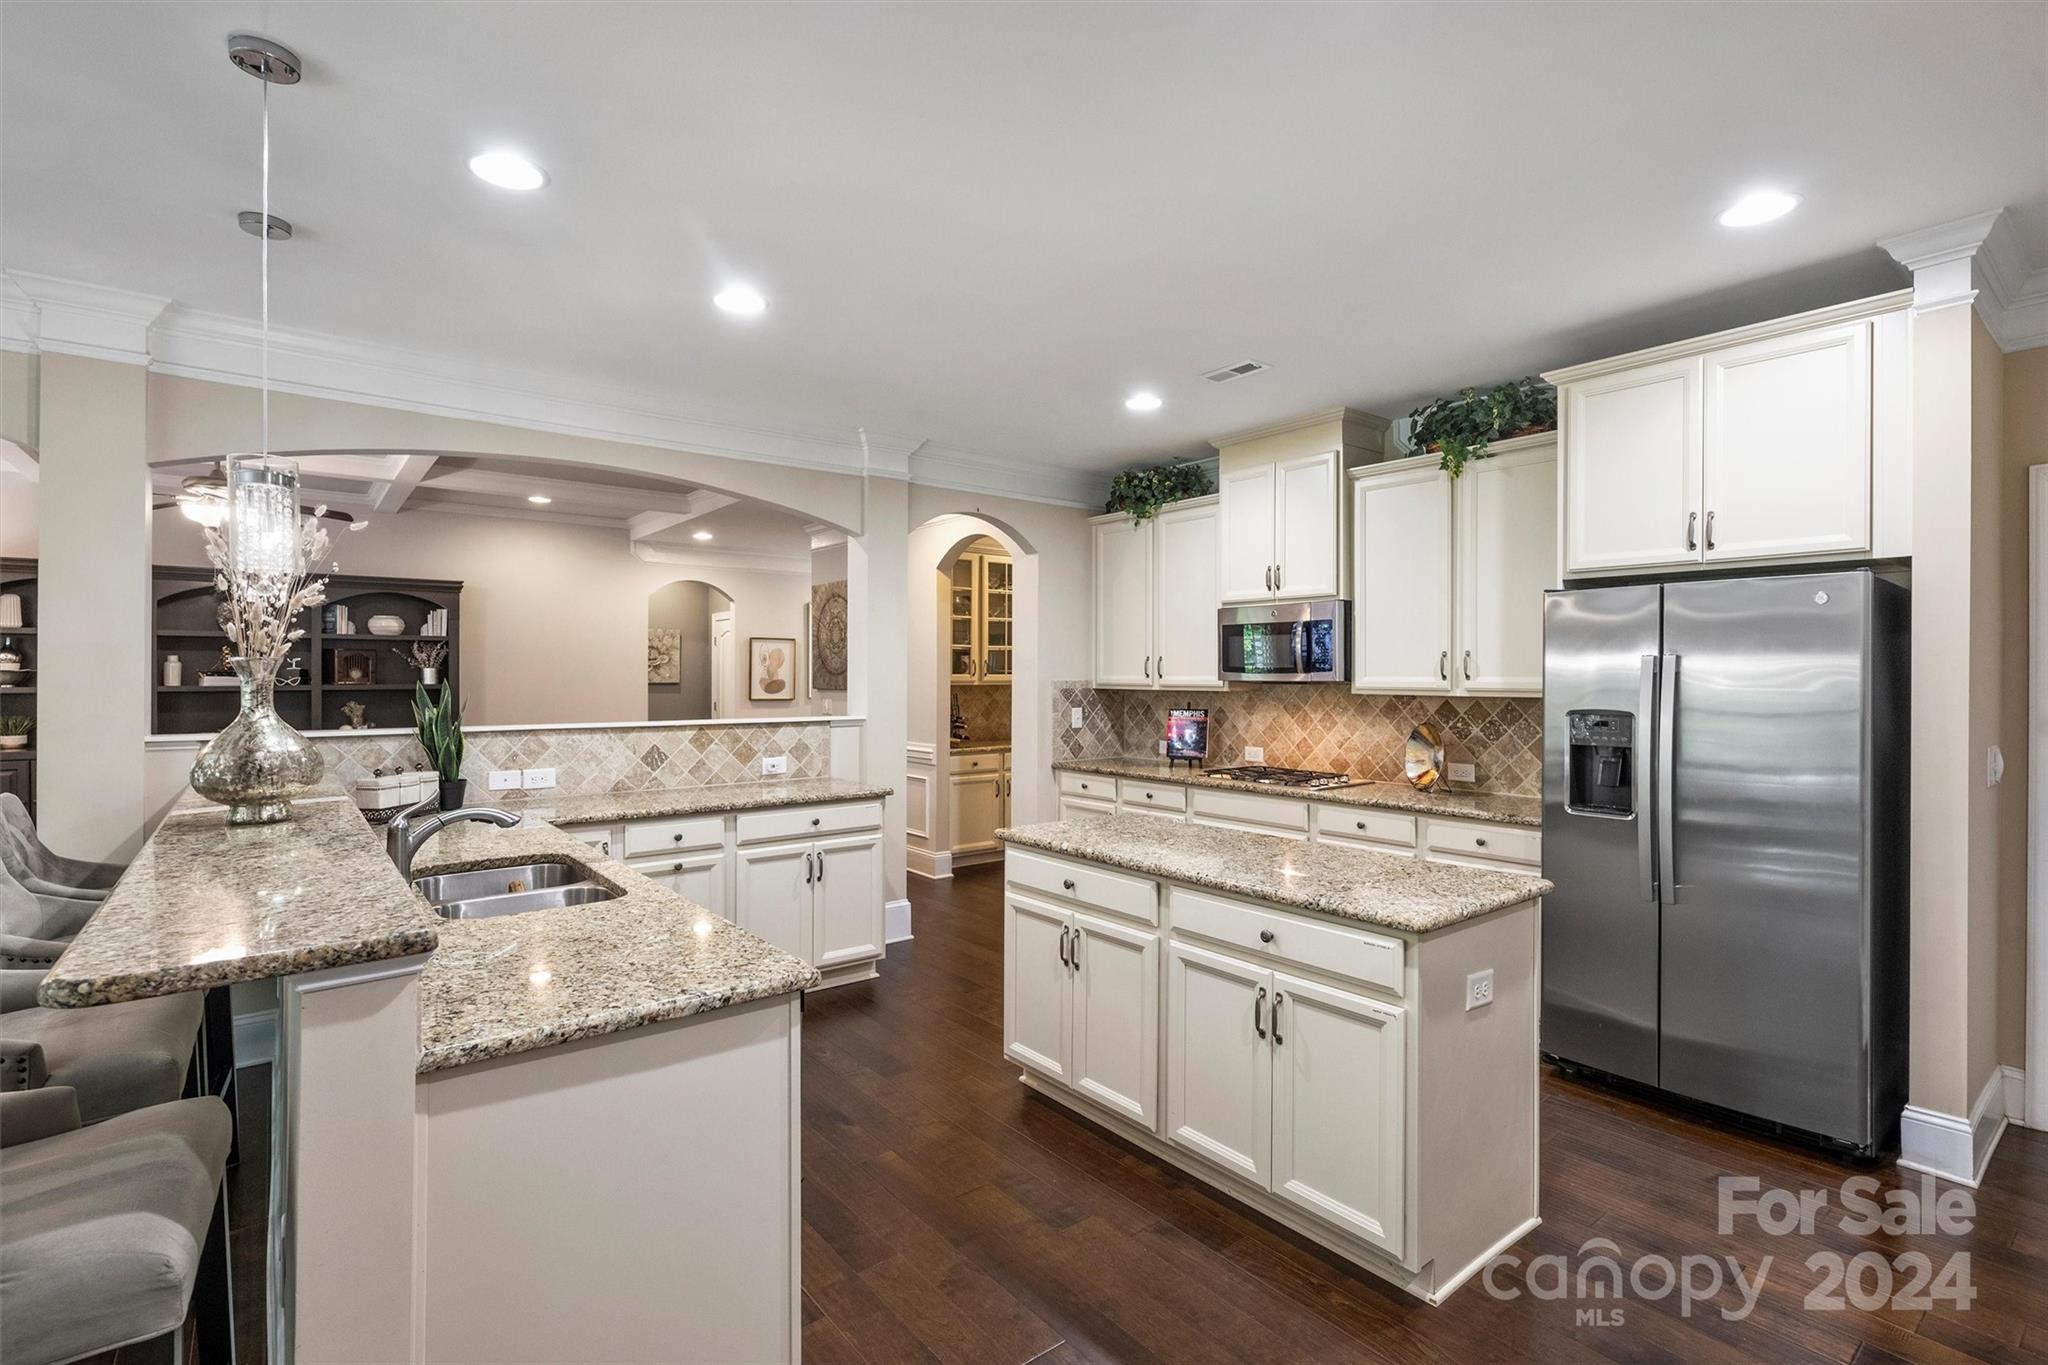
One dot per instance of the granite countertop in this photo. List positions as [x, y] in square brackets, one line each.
[600, 808]
[1502, 810]
[207, 904]
[981, 746]
[1387, 890]
[515, 983]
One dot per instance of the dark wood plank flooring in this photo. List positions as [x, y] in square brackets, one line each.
[951, 1216]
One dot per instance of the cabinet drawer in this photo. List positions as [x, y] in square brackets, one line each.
[803, 822]
[675, 835]
[1089, 785]
[1081, 808]
[1471, 839]
[1096, 887]
[1333, 821]
[1280, 814]
[599, 837]
[1354, 954]
[980, 763]
[1151, 796]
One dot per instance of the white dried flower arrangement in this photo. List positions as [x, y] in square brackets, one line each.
[257, 610]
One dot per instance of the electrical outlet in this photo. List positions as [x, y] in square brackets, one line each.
[504, 779]
[1479, 989]
[1075, 723]
[774, 765]
[537, 778]
[1463, 772]
[1994, 766]
[1162, 746]
[1254, 754]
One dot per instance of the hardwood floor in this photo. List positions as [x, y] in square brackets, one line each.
[951, 1216]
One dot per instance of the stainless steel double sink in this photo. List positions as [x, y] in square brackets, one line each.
[484, 892]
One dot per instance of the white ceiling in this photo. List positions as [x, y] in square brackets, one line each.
[984, 224]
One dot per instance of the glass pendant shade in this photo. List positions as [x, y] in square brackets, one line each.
[263, 517]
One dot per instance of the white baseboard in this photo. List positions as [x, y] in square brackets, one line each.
[1950, 1146]
[2015, 1095]
[925, 863]
[896, 921]
[255, 1038]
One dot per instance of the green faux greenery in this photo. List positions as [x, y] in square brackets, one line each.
[1142, 492]
[1460, 427]
[439, 725]
[16, 725]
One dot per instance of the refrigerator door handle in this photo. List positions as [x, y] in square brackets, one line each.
[1646, 847]
[1667, 779]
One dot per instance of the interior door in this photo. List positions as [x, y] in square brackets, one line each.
[1116, 1017]
[1310, 517]
[722, 664]
[1123, 603]
[1037, 991]
[1402, 597]
[1507, 557]
[772, 886]
[1339, 1121]
[847, 901]
[1632, 468]
[1249, 523]
[975, 811]
[1788, 445]
[1186, 595]
[1219, 1064]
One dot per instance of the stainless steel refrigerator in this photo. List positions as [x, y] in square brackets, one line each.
[1725, 818]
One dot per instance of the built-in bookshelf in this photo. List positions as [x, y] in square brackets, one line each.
[18, 695]
[333, 669]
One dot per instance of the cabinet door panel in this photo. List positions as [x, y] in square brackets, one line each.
[1116, 1017]
[1081, 808]
[1123, 603]
[1219, 1071]
[1311, 518]
[1186, 595]
[975, 811]
[696, 876]
[772, 895]
[1338, 1114]
[1788, 445]
[1402, 611]
[1249, 519]
[1632, 467]
[1507, 557]
[847, 901]
[1037, 990]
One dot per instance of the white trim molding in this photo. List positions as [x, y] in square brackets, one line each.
[2016, 1096]
[1953, 1147]
[255, 1038]
[2037, 797]
[896, 921]
[74, 318]
[1978, 260]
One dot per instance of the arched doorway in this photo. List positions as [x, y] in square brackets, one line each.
[690, 657]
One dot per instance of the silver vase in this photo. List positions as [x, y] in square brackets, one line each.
[259, 763]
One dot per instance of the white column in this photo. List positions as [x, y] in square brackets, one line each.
[878, 585]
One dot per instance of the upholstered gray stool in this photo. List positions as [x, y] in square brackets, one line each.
[14, 861]
[30, 915]
[117, 1058]
[105, 1231]
[52, 867]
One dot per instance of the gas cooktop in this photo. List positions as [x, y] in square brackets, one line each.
[1281, 777]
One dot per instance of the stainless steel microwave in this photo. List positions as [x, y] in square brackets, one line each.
[1286, 641]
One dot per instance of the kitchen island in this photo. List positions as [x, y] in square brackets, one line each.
[1343, 1039]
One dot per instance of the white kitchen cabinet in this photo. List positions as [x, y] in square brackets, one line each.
[1290, 515]
[773, 890]
[694, 876]
[1219, 1060]
[1339, 1082]
[1632, 458]
[1250, 523]
[1788, 446]
[1038, 993]
[975, 811]
[1507, 558]
[1083, 808]
[846, 907]
[1156, 598]
[981, 644]
[1401, 623]
[1115, 976]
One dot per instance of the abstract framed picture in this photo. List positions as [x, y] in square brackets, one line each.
[771, 668]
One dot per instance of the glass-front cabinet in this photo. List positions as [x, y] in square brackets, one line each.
[981, 618]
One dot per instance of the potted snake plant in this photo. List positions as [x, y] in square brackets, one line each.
[439, 726]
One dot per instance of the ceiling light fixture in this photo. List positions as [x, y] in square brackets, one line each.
[1143, 401]
[742, 299]
[507, 170]
[1759, 206]
[539, 499]
[700, 535]
[209, 510]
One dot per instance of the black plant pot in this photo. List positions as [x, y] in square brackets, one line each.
[453, 792]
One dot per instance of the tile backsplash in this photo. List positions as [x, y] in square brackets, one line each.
[639, 758]
[1314, 725]
[986, 709]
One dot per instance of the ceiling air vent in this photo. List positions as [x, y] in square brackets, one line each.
[1237, 371]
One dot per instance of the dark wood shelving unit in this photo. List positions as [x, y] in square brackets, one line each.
[186, 625]
[18, 766]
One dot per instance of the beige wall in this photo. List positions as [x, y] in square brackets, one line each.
[2026, 444]
[685, 607]
[554, 616]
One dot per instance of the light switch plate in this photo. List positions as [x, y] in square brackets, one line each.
[1075, 723]
[1479, 989]
[1254, 753]
[774, 765]
[504, 779]
[1463, 772]
[1994, 766]
[536, 778]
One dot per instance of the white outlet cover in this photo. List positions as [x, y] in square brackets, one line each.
[1994, 766]
[1479, 989]
[504, 779]
[774, 765]
[1254, 753]
[537, 778]
[1075, 723]
[1463, 772]
[1162, 746]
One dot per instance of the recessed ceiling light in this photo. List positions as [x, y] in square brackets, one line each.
[539, 499]
[507, 170]
[743, 299]
[700, 535]
[1759, 206]
[1143, 401]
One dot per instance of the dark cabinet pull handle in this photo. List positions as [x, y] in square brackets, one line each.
[1692, 525]
[677, 868]
[1279, 999]
[1148, 796]
[1443, 665]
[679, 838]
[1468, 665]
[1710, 530]
[809, 872]
[1361, 824]
[1064, 934]
[1258, 1007]
[1265, 935]
[1077, 952]
[1148, 665]
[1068, 884]
[814, 822]
[1480, 843]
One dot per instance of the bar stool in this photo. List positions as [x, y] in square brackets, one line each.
[54, 867]
[14, 861]
[30, 915]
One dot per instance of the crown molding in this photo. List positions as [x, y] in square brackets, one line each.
[752, 561]
[1978, 260]
[73, 318]
[938, 466]
[1851, 311]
